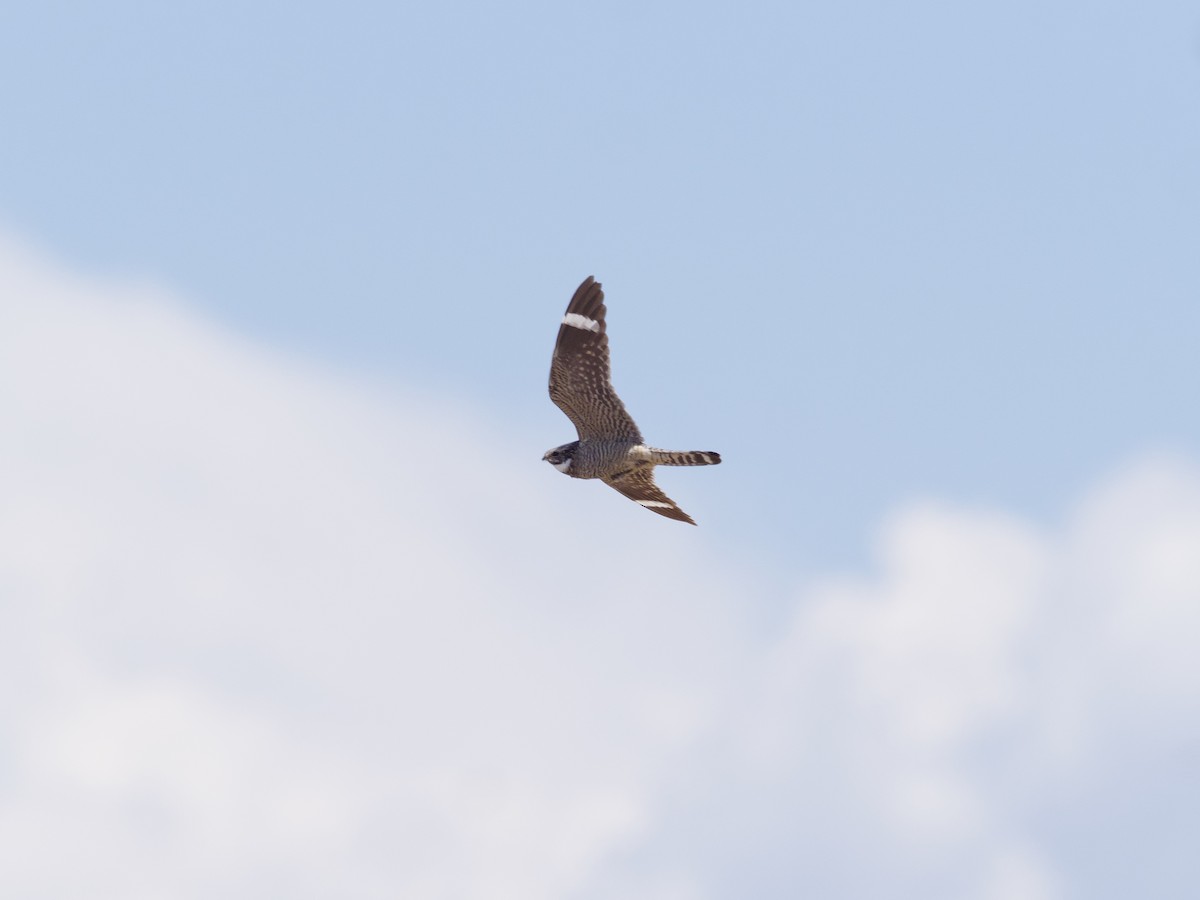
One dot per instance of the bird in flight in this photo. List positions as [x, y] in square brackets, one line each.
[610, 447]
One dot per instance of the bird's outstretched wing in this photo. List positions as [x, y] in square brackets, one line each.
[580, 383]
[639, 487]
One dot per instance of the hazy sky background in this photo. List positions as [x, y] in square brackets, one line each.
[294, 607]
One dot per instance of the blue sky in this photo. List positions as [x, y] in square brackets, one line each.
[889, 250]
[924, 274]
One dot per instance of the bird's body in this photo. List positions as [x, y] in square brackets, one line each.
[610, 446]
[599, 459]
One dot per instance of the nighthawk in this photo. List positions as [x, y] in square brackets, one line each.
[610, 447]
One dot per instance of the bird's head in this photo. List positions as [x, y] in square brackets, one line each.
[560, 457]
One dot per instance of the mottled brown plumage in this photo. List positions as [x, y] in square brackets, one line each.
[610, 446]
[580, 382]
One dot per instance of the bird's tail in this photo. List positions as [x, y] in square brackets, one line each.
[684, 457]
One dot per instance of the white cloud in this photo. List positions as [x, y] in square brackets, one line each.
[984, 689]
[314, 630]
[273, 632]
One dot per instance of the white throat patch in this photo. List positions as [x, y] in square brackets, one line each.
[562, 466]
[575, 320]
